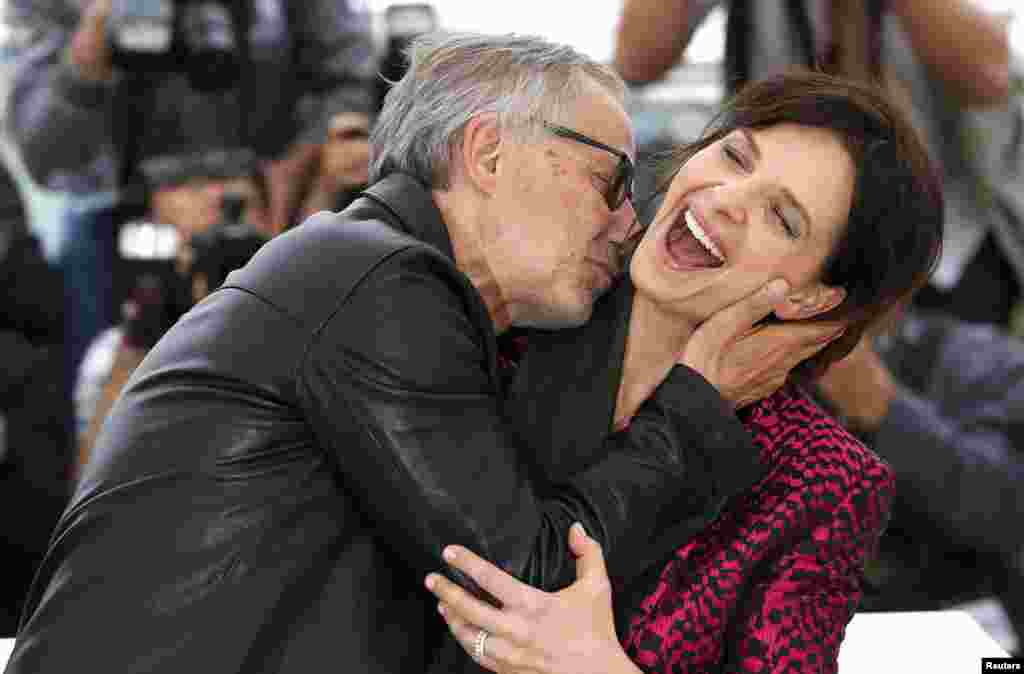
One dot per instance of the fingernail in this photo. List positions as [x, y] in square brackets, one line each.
[430, 582]
[442, 609]
[777, 289]
[449, 554]
[579, 529]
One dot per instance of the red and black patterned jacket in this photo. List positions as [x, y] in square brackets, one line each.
[772, 583]
[769, 585]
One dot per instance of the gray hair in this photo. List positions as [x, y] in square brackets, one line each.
[454, 77]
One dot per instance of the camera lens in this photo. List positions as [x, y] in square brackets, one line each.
[208, 36]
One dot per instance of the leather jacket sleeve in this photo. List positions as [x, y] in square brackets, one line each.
[413, 418]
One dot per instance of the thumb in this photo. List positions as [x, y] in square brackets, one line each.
[740, 316]
[589, 556]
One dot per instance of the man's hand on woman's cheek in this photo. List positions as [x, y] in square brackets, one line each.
[747, 360]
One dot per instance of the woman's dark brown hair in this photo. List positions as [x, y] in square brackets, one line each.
[893, 233]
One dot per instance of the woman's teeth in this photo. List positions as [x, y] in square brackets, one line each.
[701, 236]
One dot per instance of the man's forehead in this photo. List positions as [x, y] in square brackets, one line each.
[601, 117]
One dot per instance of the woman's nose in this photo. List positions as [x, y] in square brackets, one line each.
[732, 202]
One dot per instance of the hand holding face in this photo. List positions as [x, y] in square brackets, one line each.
[746, 361]
[567, 632]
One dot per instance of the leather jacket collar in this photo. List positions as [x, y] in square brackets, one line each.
[413, 208]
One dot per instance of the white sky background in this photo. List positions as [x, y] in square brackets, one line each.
[589, 25]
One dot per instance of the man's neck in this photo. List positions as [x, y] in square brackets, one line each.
[655, 340]
[470, 258]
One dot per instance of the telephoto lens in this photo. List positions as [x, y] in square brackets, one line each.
[226, 246]
[211, 46]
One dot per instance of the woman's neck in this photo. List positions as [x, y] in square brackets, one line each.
[655, 340]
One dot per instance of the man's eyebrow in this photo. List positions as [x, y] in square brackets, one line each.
[755, 149]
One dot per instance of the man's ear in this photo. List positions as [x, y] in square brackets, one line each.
[810, 301]
[480, 152]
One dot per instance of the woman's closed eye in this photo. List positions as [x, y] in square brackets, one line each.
[790, 230]
[736, 156]
[740, 159]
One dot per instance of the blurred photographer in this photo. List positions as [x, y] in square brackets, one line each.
[34, 436]
[208, 215]
[104, 85]
[342, 168]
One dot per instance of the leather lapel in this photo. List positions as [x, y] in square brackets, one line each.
[562, 400]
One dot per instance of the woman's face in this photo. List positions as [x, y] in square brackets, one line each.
[753, 206]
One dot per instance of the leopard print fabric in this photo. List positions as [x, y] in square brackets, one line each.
[772, 583]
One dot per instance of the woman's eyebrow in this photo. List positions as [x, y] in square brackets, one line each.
[755, 149]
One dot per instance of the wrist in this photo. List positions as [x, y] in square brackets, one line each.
[871, 408]
[85, 68]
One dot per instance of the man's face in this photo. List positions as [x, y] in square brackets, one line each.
[192, 206]
[345, 162]
[195, 206]
[552, 249]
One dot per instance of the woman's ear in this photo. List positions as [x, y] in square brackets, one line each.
[480, 151]
[810, 301]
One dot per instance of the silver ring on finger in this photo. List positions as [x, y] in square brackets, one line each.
[479, 644]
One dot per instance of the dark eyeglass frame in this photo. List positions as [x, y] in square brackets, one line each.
[621, 187]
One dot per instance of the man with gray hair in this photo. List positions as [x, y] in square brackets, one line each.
[288, 462]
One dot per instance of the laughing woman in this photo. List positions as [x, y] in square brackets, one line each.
[812, 178]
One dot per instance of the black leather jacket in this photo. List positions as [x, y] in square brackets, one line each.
[290, 459]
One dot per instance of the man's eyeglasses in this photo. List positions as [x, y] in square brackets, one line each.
[621, 186]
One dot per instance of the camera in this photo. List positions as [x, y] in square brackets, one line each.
[162, 292]
[201, 38]
[403, 23]
[227, 245]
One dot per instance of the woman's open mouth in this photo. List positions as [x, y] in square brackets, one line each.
[690, 247]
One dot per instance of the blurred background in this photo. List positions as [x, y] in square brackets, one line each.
[668, 110]
[695, 82]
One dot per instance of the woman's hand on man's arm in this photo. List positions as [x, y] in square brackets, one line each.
[566, 632]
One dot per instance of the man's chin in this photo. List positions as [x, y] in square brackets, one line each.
[561, 315]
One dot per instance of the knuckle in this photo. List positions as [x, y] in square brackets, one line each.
[531, 604]
[457, 625]
[520, 630]
[527, 632]
[453, 595]
[483, 575]
[514, 659]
